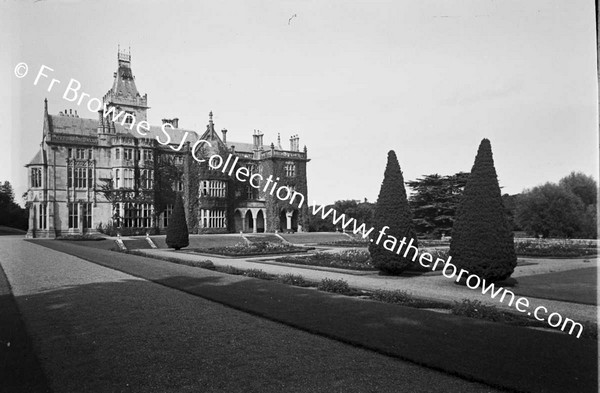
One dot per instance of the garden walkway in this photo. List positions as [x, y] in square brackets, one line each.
[435, 287]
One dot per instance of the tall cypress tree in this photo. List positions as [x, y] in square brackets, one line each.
[392, 210]
[177, 230]
[482, 241]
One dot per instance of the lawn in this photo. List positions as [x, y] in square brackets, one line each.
[577, 286]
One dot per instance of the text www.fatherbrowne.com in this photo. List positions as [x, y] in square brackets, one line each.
[73, 93]
[450, 270]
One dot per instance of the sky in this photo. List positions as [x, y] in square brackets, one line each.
[354, 79]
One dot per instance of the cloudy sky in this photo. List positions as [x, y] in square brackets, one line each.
[354, 79]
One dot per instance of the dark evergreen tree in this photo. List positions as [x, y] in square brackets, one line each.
[434, 202]
[482, 241]
[177, 230]
[392, 210]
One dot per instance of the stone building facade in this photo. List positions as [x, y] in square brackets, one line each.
[109, 174]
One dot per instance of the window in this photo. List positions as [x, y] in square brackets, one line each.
[213, 188]
[290, 169]
[251, 192]
[128, 154]
[213, 219]
[178, 186]
[42, 223]
[36, 177]
[146, 179]
[251, 168]
[73, 215]
[129, 117]
[117, 178]
[137, 155]
[166, 215]
[137, 215]
[81, 175]
[70, 152]
[90, 155]
[147, 155]
[128, 178]
[80, 154]
[118, 153]
[86, 212]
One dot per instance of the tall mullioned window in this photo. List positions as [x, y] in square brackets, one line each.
[42, 216]
[213, 188]
[146, 179]
[289, 169]
[167, 215]
[128, 154]
[213, 218]
[86, 212]
[128, 178]
[81, 177]
[73, 215]
[36, 177]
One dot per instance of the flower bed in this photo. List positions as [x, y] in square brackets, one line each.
[257, 248]
[345, 243]
[348, 259]
[555, 248]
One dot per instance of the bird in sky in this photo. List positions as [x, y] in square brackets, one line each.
[290, 20]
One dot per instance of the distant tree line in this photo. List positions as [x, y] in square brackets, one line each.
[11, 214]
[563, 210]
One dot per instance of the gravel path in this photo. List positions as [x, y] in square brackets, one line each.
[97, 329]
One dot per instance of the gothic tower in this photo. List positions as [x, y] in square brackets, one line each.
[124, 95]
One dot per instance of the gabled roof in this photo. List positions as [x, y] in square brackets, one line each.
[39, 159]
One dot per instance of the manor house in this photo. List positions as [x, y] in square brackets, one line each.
[93, 175]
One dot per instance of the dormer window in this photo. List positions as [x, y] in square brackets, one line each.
[36, 177]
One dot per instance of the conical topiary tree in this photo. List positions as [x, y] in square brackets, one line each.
[482, 241]
[177, 230]
[392, 210]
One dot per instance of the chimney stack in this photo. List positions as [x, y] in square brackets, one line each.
[224, 132]
[174, 122]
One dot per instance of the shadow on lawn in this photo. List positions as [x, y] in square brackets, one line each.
[531, 360]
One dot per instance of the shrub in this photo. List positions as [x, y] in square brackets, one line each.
[476, 309]
[397, 296]
[482, 240]
[257, 273]
[335, 286]
[293, 279]
[230, 270]
[392, 210]
[348, 259]
[177, 231]
[255, 248]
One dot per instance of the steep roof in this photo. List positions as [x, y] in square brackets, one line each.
[38, 159]
[72, 125]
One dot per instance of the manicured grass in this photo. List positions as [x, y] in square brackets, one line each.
[578, 286]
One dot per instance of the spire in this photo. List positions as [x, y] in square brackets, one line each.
[279, 141]
[124, 93]
[46, 106]
[210, 116]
